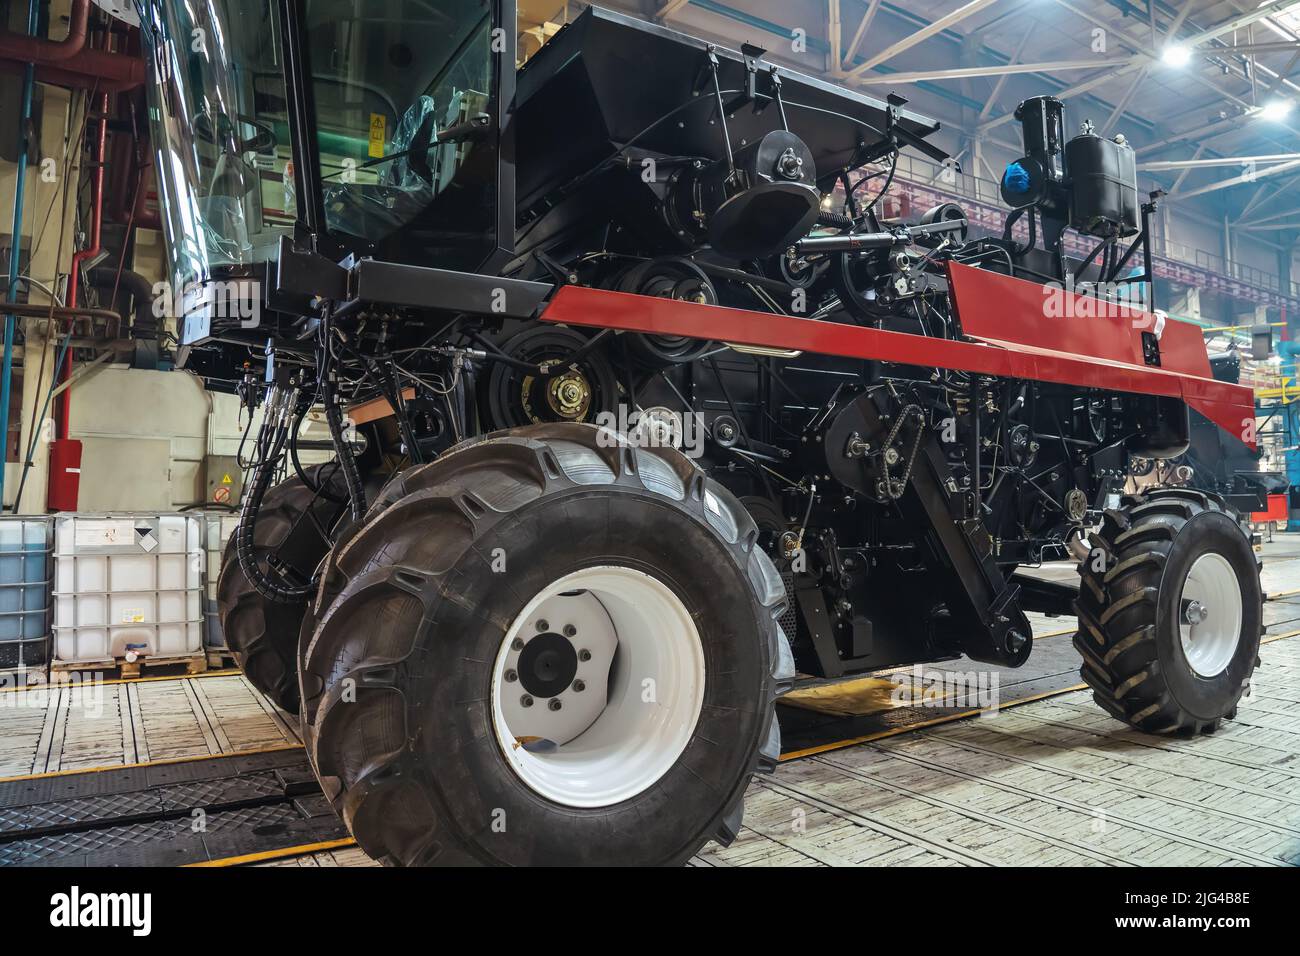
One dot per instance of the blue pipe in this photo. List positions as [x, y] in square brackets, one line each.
[20, 183]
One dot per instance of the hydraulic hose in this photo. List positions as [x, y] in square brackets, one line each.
[317, 489]
[274, 434]
[351, 473]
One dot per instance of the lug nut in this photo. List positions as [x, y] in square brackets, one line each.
[579, 686]
[584, 655]
[542, 625]
[511, 677]
[570, 630]
[555, 703]
[517, 644]
[526, 700]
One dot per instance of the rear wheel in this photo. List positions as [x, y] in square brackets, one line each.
[542, 650]
[261, 634]
[1170, 612]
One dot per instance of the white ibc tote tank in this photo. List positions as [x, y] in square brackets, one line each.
[127, 586]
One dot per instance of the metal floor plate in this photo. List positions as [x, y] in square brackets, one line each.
[164, 815]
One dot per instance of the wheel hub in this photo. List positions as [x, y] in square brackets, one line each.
[597, 686]
[1211, 611]
[547, 665]
[567, 394]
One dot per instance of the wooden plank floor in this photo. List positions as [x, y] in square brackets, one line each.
[1054, 782]
[77, 727]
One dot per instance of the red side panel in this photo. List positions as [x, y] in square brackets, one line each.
[1277, 511]
[1230, 406]
[1013, 312]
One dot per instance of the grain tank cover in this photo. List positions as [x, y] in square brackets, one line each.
[606, 80]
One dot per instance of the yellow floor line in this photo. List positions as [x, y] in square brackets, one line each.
[945, 719]
[1279, 637]
[949, 718]
[280, 854]
[152, 763]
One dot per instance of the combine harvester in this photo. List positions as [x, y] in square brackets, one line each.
[640, 406]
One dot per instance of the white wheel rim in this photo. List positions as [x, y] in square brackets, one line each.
[642, 686]
[1209, 615]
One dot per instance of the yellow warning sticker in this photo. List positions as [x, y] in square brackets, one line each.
[227, 480]
[378, 133]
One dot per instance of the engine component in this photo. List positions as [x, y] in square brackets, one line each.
[669, 278]
[726, 431]
[1021, 447]
[756, 209]
[659, 427]
[948, 212]
[1076, 505]
[572, 383]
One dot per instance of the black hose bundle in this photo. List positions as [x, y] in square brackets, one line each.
[280, 431]
[271, 441]
[351, 473]
[313, 486]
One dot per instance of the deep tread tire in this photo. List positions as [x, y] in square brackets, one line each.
[263, 636]
[1128, 609]
[398, 649]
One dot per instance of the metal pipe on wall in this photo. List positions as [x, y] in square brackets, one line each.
[29, 48]
[69, 62]
[114, 72]
[15, 242]
[62, 408]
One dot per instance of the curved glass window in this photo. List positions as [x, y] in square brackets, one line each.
[221, 145]
[389, 80]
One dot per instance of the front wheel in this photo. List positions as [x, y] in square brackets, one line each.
[1170, 612]
[545, 648]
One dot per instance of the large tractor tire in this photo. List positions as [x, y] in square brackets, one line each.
[263, 635]
[542, 650]
[1170, 612]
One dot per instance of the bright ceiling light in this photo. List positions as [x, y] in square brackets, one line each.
[1275, 110]
[1175, 54]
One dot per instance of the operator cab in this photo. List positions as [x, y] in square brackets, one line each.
[275, 114]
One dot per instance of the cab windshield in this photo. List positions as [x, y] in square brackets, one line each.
[221, 145]
[386, 82]
[400, 96]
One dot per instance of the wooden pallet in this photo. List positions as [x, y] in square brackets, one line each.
[220, 658]
[127, 670]
[22, 676]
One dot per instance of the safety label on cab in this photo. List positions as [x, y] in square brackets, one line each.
[378, 133]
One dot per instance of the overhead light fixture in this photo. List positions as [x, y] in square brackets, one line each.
[1175, 54]
[1275, 110]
